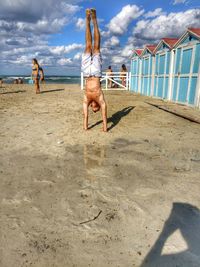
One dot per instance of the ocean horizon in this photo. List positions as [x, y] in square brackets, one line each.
[50, 79]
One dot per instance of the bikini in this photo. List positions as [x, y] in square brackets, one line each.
[36, 76]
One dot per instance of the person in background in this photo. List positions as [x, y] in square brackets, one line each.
[1, 82]
[123, 74]
[109, 73]
[16, 81]
[41, 74]
[20, 81]
[36, 75]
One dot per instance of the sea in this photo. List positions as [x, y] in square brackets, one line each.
[48, 79]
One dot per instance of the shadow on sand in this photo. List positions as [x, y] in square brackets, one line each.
[185, 218]
[13, 92]
[115, 118]
[51, 91]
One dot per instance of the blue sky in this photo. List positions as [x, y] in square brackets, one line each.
[53, 31]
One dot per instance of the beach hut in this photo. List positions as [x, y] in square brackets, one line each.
[135, 70]
[185, 77]
[147, 70]
[163, 60]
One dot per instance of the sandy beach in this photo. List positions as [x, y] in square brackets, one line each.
[70, 198]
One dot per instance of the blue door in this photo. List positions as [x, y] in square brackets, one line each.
[135, 68]
[146, 76]
[186, 74]
[161, 83]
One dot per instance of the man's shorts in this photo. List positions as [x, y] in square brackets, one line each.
[91, 65]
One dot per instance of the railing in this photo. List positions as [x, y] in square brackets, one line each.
[112, 81]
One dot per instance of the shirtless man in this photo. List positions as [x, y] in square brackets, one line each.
[91, 68]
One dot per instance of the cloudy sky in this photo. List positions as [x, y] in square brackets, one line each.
[53, 30]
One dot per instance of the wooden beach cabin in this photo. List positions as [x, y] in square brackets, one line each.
[162, 71]
[135, 70]
[147, 70]
[185, 77]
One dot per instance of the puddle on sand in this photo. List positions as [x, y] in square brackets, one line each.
[93, 158]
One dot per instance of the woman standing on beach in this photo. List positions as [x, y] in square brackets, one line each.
[1, 82]
[36, 75]
[123, 74]
[109, 73]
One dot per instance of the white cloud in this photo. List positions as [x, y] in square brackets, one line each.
[176, 2]
[127, 50]
[32, 11]
[117, 59]
[80, 24]
[60, 50]
[26, 17]
[157, 12]
[119, 24]
[171, 25]
[78, 56]
[113, 41]
[64, 61]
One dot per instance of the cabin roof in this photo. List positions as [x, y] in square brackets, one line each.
[193, 31]
[196, 31]
[151, 48]
[170, 41]
[138, 52]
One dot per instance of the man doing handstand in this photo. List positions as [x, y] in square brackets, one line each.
[91, 68]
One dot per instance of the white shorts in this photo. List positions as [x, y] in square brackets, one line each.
[91, 65]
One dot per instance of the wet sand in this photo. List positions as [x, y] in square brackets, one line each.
[129, 197]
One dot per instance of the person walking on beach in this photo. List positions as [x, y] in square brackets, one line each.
[36, 75]
[1, 82]
[91, 68]
[109, 73]
[123, 74]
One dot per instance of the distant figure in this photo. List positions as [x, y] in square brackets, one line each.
[41, 74]
[109, 73]
[123, 74]
[91, 67]
[36, 75]
[20, 81]
[1, 82]
[16, 81]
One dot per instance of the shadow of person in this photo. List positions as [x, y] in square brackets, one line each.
[185, 218]
[51, 91]
[13, 92]
[115, 118]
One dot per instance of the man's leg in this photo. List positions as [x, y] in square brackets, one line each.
[97, 38]
[88, 34]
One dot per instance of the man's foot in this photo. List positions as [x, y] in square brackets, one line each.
[93, 13]
[88, 14]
